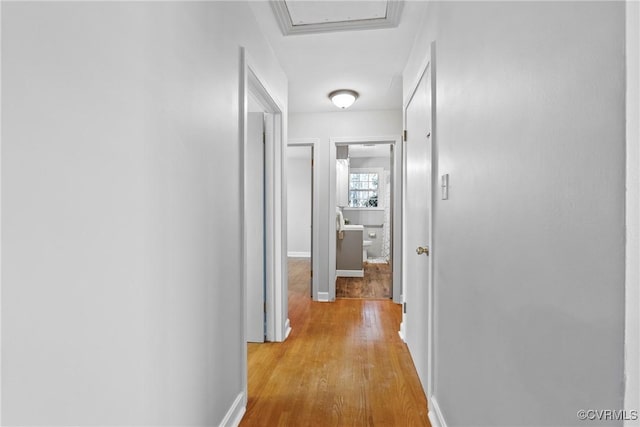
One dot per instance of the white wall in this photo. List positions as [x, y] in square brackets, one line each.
[529, 248]
[121, 245]
[338, 124]
[299, 201]
[370, 162]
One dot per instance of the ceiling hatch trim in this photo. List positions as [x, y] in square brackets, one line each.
[283, 17]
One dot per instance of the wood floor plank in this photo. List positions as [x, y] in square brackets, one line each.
[342, 365]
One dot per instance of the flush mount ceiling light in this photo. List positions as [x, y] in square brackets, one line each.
[343, 98]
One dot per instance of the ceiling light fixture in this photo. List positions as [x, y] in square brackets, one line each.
[343, 98]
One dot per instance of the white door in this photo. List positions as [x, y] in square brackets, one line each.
[255, 232]
[417, 223]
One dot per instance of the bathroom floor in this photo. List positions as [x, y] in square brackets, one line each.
[376, 283]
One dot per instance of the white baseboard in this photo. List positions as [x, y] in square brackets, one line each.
[299, 254]
[323, 296]
[235, 413]
[350, 273]
[435, 415]
[402, 332]
[287, 328]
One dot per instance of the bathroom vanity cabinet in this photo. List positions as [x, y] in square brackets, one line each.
[349, 252]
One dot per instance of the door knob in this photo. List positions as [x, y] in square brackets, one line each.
[423, 250]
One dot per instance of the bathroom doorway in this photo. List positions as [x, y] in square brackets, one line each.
[366, 172]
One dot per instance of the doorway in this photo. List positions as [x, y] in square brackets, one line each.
[364, 196]
[255, 225]
[263, 211]
[417, 262]
[363, 212]
[303, 207]
[421, 163]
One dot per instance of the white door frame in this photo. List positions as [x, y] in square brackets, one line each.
[435, 415]
[277, 323]
[396, 209]
[315, 210]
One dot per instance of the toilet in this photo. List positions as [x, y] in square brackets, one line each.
[365, 245]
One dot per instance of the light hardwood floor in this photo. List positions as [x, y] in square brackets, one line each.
[343, 365]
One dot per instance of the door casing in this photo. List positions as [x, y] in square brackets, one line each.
[277, 323]
[396, 209]
[429, 62]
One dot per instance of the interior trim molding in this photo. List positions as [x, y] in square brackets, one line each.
[293, 254]
[281, 12]
[350, 273]
[235, 413]
[323, 296]
[402, 332]
[287, 328]
[435, 414]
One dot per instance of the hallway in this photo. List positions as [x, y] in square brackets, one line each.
[125, 212]
[343, 364]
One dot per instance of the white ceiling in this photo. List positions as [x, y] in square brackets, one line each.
[367, 61]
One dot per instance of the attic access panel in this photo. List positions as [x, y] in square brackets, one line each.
[303, 17]
[317, 12]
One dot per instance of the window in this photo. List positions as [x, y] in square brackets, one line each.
[363, 190]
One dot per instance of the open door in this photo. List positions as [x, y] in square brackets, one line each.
[255, 202]
[417, 223]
